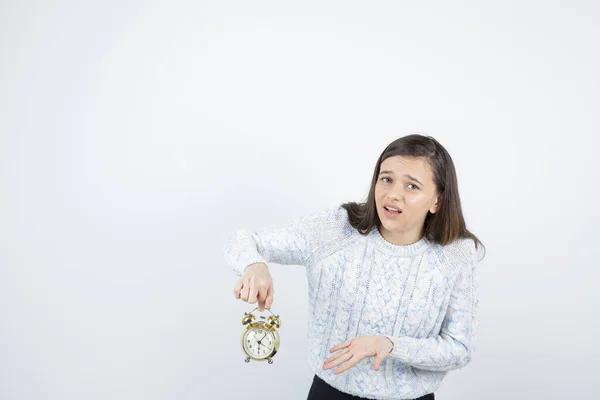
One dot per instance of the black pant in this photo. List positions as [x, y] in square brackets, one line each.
[321, 390]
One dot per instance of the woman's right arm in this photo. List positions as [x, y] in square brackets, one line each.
[255, 285]
[248, 252]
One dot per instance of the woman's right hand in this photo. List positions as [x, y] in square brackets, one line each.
[255, 285]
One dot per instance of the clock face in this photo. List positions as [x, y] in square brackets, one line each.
[258, 342]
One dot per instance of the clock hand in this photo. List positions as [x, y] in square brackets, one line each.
[264, 345]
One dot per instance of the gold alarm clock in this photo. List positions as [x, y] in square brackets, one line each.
[260, 340]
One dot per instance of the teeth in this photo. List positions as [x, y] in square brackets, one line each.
[391, 209]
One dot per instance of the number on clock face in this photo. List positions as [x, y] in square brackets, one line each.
[259, 342]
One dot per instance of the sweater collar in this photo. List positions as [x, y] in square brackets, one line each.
[395, 249]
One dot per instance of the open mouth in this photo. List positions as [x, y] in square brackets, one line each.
[392, 210]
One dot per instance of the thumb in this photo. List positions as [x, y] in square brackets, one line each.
[378, 360]
[237, 288]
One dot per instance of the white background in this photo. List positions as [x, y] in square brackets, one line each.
[135, 136]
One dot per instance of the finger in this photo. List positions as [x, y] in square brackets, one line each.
[336, 355]
[337, 361]
[244, 291]
[237, 288]
[340, 346]
[252, 296]
[378, 360]
[261, 299]
[349, 364]
[269, 299]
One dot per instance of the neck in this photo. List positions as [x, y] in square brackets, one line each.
[402, 238]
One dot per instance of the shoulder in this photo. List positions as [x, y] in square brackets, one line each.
[325, 222]
[328, 215]
[331, 231]
[336, 213]
[453, 259]
[461, 251]
[337, 219]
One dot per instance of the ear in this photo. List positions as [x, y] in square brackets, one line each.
[434, 208]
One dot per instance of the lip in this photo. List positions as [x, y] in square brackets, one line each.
[392, 206]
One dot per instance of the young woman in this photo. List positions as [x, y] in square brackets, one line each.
[392, 282]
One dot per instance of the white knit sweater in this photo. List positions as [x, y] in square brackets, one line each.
[422, 296]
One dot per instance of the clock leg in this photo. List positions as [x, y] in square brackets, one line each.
[247, 359]
[270, 361]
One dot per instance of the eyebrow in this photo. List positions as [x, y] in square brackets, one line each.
[407, 175]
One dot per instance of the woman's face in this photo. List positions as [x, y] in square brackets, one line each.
[406, 184]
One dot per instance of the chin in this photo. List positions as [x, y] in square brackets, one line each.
[387, 226]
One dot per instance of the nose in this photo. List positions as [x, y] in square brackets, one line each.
[394, 194]
[393, 198]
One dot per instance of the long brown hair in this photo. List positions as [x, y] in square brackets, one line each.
[443, 227]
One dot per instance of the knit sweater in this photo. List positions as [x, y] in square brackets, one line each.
[422, 296]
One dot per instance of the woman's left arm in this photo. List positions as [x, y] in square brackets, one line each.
[450, 349]
[453, 346]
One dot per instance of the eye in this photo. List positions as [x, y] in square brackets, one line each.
[415, 186]
[385, 177]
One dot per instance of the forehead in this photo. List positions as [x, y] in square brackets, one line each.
[415, 166]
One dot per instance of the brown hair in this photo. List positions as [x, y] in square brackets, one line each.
[443, 227]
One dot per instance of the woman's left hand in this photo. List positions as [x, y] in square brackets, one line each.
[354, 350]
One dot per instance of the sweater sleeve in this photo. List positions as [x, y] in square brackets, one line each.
[453, 346]
[294, 243]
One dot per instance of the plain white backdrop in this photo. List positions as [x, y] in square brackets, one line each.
[135, 136]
